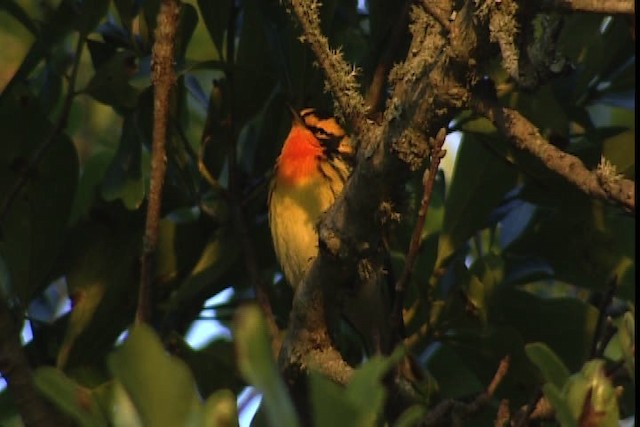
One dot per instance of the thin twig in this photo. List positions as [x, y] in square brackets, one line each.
[438, 415]
[163, 75]
[524, 414]
[526, 136]
[598, 344]
[428, 180]
[42, 149]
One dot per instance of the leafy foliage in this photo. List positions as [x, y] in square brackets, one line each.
[514, 260]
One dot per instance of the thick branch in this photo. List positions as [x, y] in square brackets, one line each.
[350, 231]
[602, 183]
[611, 7]
[163, 76]
[340, 77]
[15, 370]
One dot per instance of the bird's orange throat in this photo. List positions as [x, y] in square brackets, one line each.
[299, 157]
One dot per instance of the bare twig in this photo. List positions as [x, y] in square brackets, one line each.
[598, 344]
[428, 180]
[503, 415]
[14, 367]
[163, 76]
[42, 149]
[438, 415]
[600, 183]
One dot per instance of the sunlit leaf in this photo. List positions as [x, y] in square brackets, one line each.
[591, 397]
[161, 387]
[220, 410]
[76, 401]
[551, 367]
[256, 363]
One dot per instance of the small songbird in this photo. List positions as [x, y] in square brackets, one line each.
[310, 173]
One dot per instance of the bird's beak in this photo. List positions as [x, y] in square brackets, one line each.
[295, 116]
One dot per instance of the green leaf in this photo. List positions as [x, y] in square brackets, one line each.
[559, 404]
[360, 402]
[161, 387]
[480, 180]
[101, 260]
[591, 397]
[330, 408]
[220, 409]
[549, 364]
[217, 256]
[124, 178]
[411, 417]
[186, 27]
[110, 83]
[32, 230]
[215, 15]
[455, 379]
[627, 337]
[90, 12]
[566, 325]
[620, 150]
[126, 11]
[91, 177]
[256, 363]
[14, 9]
[213, 366]
[76, 401]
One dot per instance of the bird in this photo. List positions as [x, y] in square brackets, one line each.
[310, 173]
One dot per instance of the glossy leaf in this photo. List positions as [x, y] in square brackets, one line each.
[591, 397]
[31, 232]
[480, 181]
[124, 178]
[215, 15]
[110, 84]
[220, 410]
[549, 364]
[76, 401]
[161, 387]
[566, 325]
[559, 404]
[102, 278]
[256, 363]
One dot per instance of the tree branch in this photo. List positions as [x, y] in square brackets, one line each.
[397, 324]
[438, 415]
[163, 76]
[340, 77]
[610, 7]
[602, 183]
[349, 232]
[14, 367]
